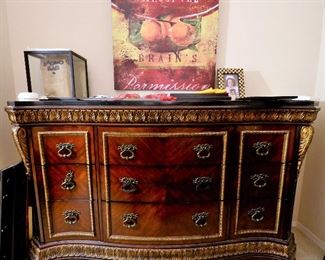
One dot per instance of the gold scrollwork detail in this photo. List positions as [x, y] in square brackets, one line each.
[153, 115]
[306, 136]
[81, 251]
[21, 141]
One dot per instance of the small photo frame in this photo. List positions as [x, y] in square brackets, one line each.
[232, 79]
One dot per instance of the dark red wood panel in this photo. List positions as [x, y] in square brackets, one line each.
[52, 178]
[47, 139]
[171, 220]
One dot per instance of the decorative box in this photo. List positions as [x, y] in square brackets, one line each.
[59, 73]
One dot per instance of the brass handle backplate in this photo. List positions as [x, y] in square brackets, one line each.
[202, 183]
[262, 148]
[130, 220]
[129, 185]
[256, 214]
[68, 182]
[203, 151]
[65, 150]
[259, 180]
[127, 151]
[71, 216]
[200, 219]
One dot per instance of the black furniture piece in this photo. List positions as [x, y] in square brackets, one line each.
[13, 200]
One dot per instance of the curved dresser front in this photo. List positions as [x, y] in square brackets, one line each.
[162, 181]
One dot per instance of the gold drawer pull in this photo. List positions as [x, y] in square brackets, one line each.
[256, 214]
[203, 150]
[68, 182]
[65, 150]
[129, 185]
[130, 220]
[259, 180]
[262, 148]
[200, 219]
[71, 216]
[127, 151]
[202, 183]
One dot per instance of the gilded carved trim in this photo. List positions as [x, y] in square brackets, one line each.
[66, 250]
[306, 136]
[162, 115]
[21, 140]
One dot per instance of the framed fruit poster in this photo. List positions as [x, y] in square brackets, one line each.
[164, 45]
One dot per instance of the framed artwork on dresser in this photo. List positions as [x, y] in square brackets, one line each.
[231, 79]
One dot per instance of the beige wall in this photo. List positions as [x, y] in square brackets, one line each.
[8, 154]
[277, 43]
[311, 214]
[81, 25]
[312, 204]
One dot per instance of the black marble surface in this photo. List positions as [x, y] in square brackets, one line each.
[281, 101]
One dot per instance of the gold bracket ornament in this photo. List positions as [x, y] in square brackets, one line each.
[65, 150]
[21, 141]
[259, 180]
[200, 219]
[71, 216]
[129, 185]
[306, 136]
[202, 183]
[203, 151]
[262, 148]
[127, 151]
[256, 214]
[130, 220]
[68, 182]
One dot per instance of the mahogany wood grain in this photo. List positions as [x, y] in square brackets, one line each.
[55, 175]
[274, 135]
[167, 221]
[151, 184]
[86, 227]
[270, 225]
[166, 184]
[161, 147]
[267, 187]
[83, 144]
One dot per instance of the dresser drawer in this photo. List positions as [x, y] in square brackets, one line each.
[257, 217]
[166, 222]
[146, 184]
[66, 219]
[166, 184]
[262, 180]
[265, 144]
[63, 145]
[66, 181]
[196, 149]
[147, 148]
[196, 183]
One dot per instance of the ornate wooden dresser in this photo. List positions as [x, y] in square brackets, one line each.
[132, 180]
